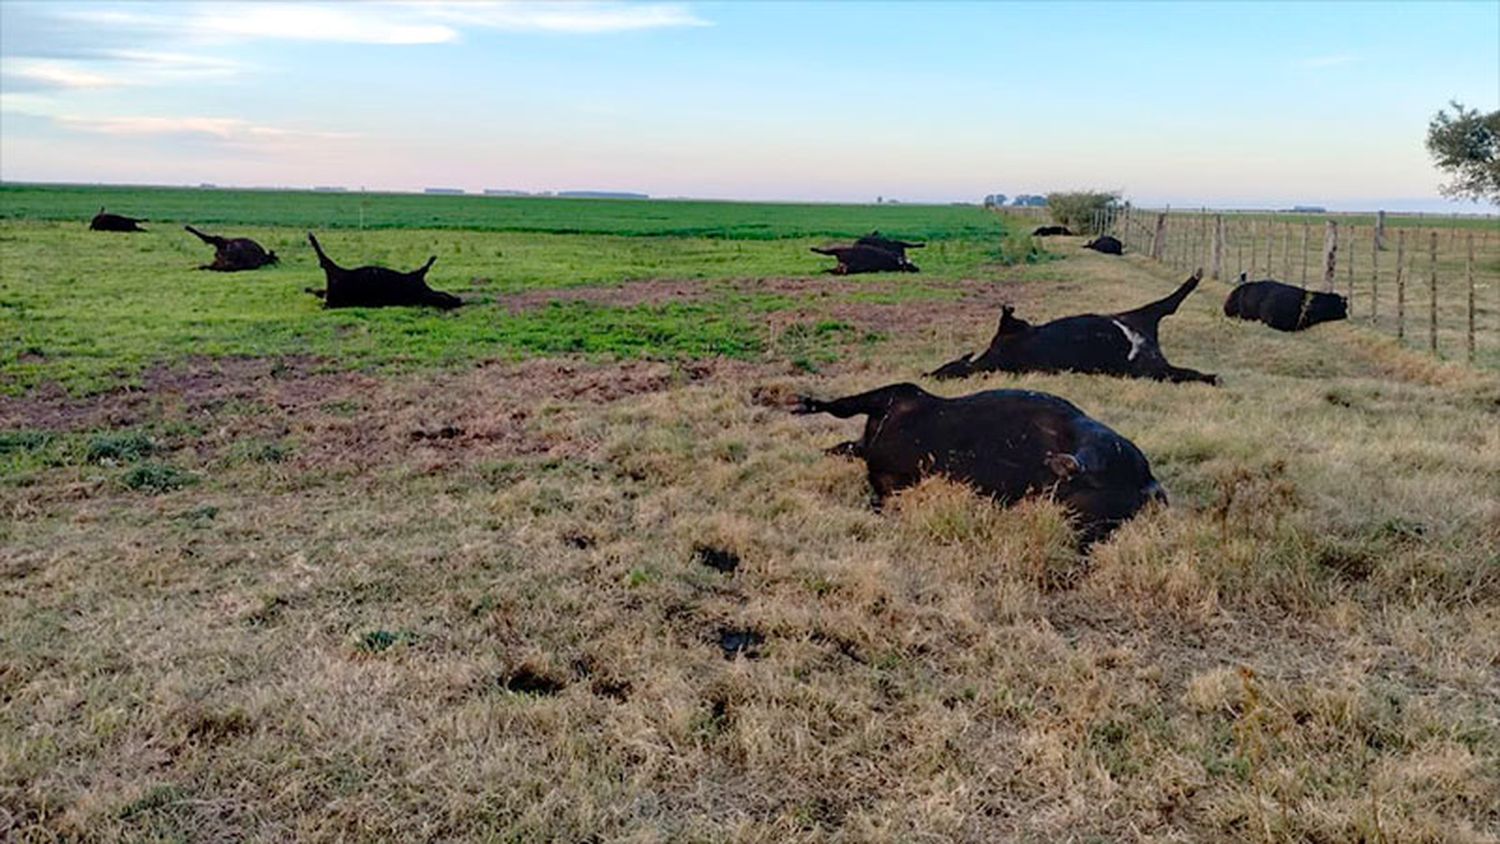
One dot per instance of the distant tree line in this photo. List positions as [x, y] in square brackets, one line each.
[1025, 200]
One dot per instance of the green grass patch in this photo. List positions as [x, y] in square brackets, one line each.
[171, 207]
[156, 478]
[121, 447]
[377, 641]
[95, 311]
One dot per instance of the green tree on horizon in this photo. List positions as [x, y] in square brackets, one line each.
[1466, 146]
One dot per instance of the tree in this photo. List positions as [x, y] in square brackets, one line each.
[1080, 210]
[1466, 146]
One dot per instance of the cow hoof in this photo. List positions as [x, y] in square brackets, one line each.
[803, 405]
[1063, 465]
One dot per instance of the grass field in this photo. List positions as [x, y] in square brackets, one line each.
[161, 310]
[1289, 248]
[271, 573]
[303, 210]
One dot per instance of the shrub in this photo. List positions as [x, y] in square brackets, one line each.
[1018, 247]
[126, 447]
[15, 442]
[1077, 209]
[156, 478]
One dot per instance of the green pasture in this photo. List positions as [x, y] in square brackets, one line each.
[94, 310]
[631, 218]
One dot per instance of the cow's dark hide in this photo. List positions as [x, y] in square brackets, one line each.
[1007, 444]
[1106, 244]
[865, 259]
[103, 222]
[1124, 344]
[377, 287]
[1050, 231]
[234, 254]
[1282, 306]
[880, 241]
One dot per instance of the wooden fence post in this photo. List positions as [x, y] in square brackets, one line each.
[1217, 260]
[1330, 254]
[1380, 231]
[1239, 250]
[1374, 276]
[1159, 240]
[1306, 233]
[1286, 251]
[1204, 239]
[1469, 272]
[1270, 237]
[1401, 284]
[1432, 294]
[1350, 297]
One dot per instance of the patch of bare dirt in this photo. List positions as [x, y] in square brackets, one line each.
[489, 411]
[828, 297]
[354, 421]
[197, 384]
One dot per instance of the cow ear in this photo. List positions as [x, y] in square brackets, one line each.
[1007, 310]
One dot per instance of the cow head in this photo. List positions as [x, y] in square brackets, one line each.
[960, 368]
[1326, 307]
[1010, 323]
[996, 356]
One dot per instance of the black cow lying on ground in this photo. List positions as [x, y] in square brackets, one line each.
[1124, 344]
[1049, 231]
[1106, 244]
[234, 254]
[103, 222]
[866, 259]
[1007, 444]
[377, 287]
[880, 241]
[1282, 306]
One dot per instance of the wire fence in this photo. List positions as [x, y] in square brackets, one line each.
[1433, 282]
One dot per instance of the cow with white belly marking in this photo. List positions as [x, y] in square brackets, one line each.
[1123, 344]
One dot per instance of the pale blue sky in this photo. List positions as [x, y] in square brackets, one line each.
[1250, 104]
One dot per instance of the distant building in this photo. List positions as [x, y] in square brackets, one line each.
[444, 191]
[1027, 200]
[601, 194]
[1308, 209]
[504, 192]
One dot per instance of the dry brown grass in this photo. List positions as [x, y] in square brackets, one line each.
[474, 606]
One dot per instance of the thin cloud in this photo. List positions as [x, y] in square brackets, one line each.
[396, 23]
[44, 75]
[173, 63]
[110, 69]
[231, 129]
[1327, 61]
[579, 17]
[363, 24]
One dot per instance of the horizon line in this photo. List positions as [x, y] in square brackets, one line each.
[642, 196]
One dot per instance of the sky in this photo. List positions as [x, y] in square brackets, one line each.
[1222, 104]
